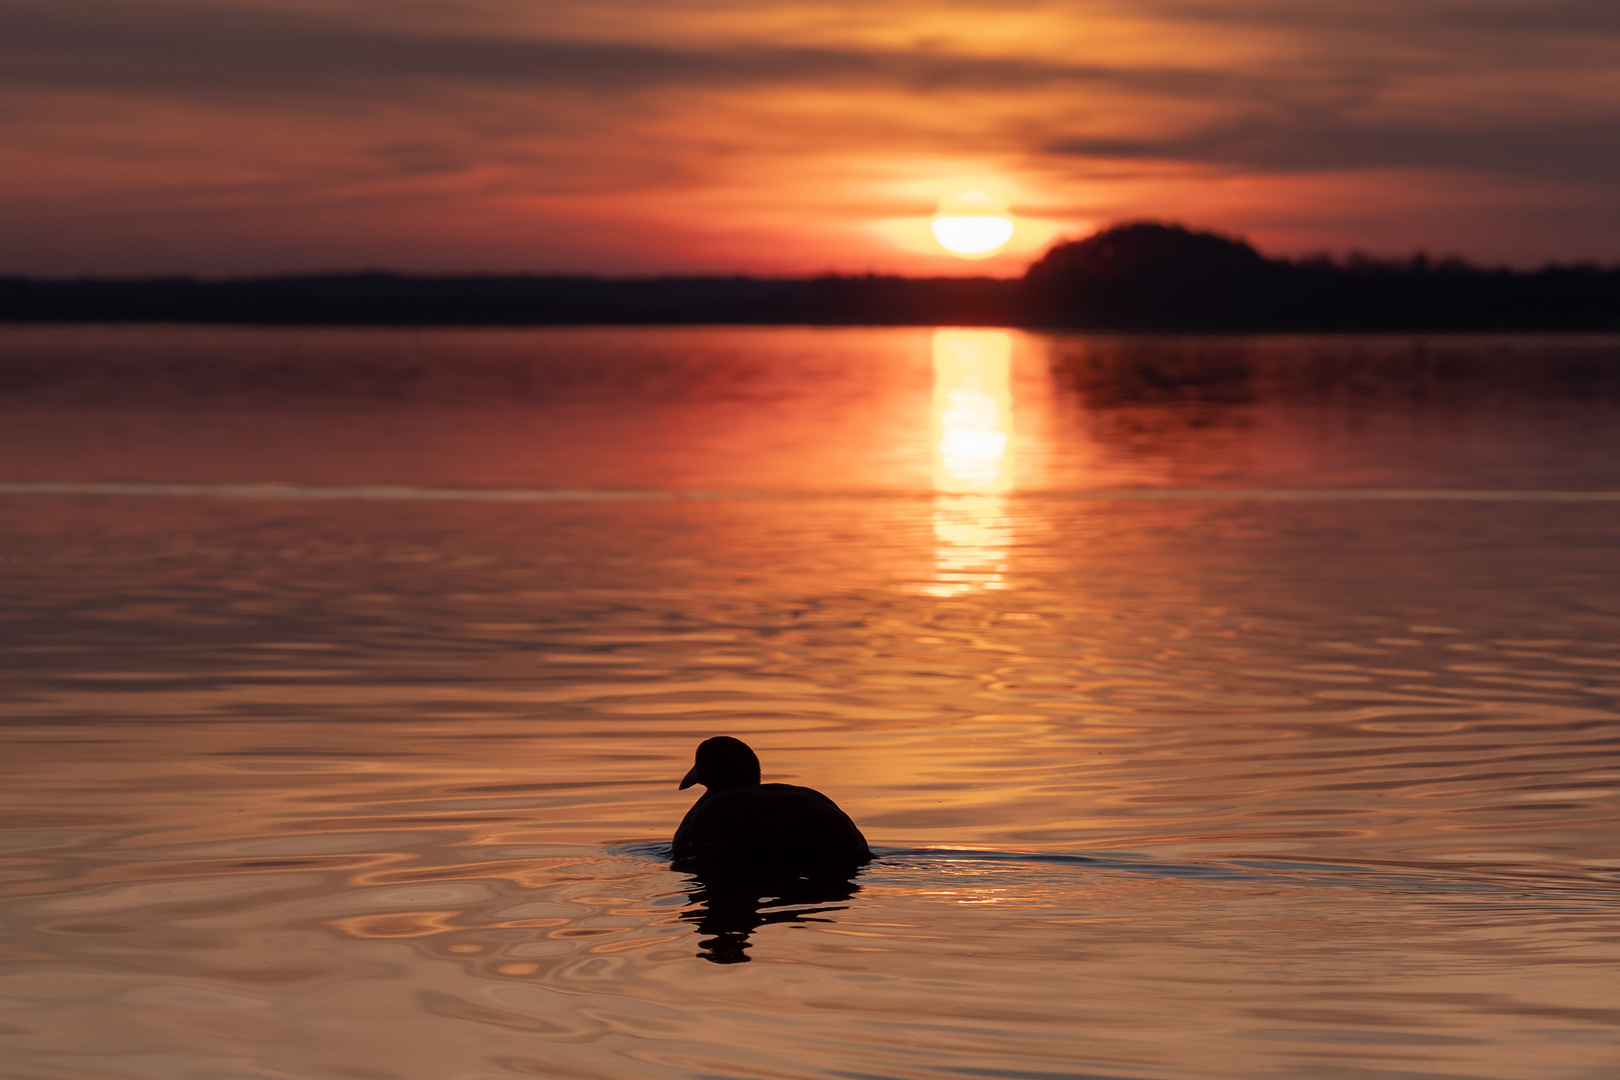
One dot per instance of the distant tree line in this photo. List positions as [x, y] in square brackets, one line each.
[486, 300]
[1141, 276]
[1148, 276]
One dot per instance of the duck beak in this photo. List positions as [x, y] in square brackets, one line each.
[690, 779]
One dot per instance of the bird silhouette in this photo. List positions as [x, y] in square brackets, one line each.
[741, 826]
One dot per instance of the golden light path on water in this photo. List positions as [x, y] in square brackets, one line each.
[972, 443]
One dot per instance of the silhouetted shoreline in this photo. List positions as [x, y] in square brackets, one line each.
[1142, 276]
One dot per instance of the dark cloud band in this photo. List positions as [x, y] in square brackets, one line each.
[1579, 151]
[195, 50]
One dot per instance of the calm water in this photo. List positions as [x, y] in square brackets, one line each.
[1219, 707]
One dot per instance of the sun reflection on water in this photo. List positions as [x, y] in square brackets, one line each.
[972, 467]
[972, 411]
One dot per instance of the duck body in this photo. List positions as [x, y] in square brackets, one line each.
[741, 826]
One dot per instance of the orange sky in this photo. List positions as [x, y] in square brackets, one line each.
[704, 136]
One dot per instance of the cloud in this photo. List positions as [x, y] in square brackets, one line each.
[1540, 17]
[186, 50]
[1579, 151]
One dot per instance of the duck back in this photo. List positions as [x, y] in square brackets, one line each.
[778, 827]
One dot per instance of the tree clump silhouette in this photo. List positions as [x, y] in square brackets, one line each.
[1149, 275]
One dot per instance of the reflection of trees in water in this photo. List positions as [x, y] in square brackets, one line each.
[1148, 395]
[1112, 372]
[1113, 375]
[1154, 397]
[730, 908]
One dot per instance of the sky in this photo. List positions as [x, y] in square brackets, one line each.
[634, 137]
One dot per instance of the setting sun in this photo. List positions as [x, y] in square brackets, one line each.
[972, 220]
[972, 234]
[972, 224]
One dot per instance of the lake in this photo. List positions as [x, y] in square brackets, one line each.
[1217, 707]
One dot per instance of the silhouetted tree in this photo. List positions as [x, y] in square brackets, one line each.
[1152, 276]
[1147, 275]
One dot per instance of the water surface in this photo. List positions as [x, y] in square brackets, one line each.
[365, 774]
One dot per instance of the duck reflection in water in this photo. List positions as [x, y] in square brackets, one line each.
[759, 853]
[730, 909]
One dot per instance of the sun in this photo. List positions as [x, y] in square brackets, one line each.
[973, 220]
[972, 225]
[972, 234]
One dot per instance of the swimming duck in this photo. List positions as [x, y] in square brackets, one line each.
[740, 825]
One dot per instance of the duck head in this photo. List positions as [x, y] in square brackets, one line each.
[723, 762]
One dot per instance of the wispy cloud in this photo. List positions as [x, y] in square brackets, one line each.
[196, 50]
[1584, 151]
